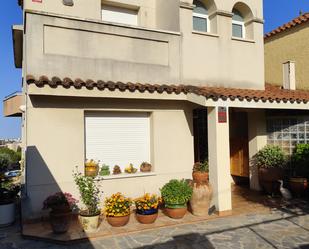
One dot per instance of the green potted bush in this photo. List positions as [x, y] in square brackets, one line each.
[90, 195]
[300, 169]
[200, 172]
[176, 194]
[104, 171]
[271, 162]
[9, 191]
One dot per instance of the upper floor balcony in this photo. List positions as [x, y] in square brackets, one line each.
[206, 43]
[12, 105]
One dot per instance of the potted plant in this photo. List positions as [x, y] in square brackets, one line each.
[117, 210]
[271, 162]
[91, 168]
[147, 208]
[130, 169]
[145, 167]
[90, 196]
[176, 194]
[200, 172]
[8, 193]
[116, 170]
[300, 169]
[104, 171]
[61, 206]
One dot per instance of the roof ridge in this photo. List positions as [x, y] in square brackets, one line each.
[303, 18]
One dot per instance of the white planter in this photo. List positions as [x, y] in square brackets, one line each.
[90, 224]
[7, 214]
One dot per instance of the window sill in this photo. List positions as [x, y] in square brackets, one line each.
[205, 34]
[242, 40]
[125, 175]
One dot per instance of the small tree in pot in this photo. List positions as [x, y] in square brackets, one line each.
[90, 196]
[271, 162]
[300, 169]
[176, 194]
[61, 206]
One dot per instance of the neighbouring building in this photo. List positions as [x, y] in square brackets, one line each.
[287, 53]
[126, 81]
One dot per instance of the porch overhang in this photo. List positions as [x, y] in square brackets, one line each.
[12, 104]
[271, 97]
[17, 32]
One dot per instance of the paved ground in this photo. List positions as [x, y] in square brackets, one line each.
[284, 228]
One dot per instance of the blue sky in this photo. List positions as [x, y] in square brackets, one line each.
[276, 12]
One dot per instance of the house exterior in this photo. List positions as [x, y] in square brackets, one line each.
[288, 44]
[126, 81]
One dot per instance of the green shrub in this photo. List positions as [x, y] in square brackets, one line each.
[4, 161]
[270, 157]
[300, 160]
[14, 156]
[104, 171]
[176, 193]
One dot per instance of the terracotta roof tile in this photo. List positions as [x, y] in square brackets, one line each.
[271, 93]
[295, 22]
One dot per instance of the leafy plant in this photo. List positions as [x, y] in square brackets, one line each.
[14, 157]
[89, 192]
[117, 205]
[104, 171]
[201, 167]
[4, 162]
[60, 199]
[176, 193]
[130, 169]
[8, 190]
[300, 160]
[270, 157]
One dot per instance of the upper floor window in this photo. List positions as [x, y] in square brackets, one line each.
[238, 24]
[119, 15]
[200, 17]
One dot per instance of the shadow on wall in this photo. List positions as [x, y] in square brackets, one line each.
[42, 185]
[186, 241]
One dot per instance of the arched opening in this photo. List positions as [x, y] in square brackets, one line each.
[200, 17]
[203, 18]
[242, 26]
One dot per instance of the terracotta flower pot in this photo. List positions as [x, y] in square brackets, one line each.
[200, 177]
[176, 213]
[201, 198]
[145, 167]
[90, 223]
[298, 185]
[268, 178]
[146, 218]
[118, 221]
[60, 221]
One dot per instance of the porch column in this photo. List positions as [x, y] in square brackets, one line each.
[219, 159]
[257, 140]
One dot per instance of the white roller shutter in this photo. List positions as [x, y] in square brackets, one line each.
[118, 138]
[119, 15]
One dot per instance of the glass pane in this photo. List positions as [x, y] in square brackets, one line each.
[199, 24]
[237, 16]
[237, 30]
[200, 8]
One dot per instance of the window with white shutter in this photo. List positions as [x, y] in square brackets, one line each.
[118, 138]
[119, 15]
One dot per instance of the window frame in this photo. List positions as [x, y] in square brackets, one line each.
[243, 29]
[202, 16]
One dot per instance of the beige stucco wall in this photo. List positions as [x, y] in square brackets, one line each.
[55, 145]
[289, 45]
[98, 50]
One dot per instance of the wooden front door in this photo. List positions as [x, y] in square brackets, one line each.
[239, 148]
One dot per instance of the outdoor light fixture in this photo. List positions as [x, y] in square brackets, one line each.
[68, 2]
